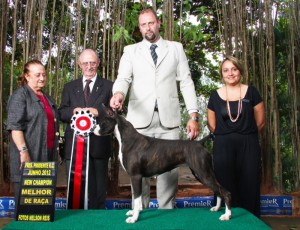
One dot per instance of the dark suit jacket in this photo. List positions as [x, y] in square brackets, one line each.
[72, 97]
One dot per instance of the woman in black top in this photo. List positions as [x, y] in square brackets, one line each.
[235, 116]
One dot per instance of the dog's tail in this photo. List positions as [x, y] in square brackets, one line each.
[206, 138]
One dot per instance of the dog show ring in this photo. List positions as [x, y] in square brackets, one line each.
[83, 123]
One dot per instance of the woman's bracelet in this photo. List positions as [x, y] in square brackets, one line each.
[23, 149]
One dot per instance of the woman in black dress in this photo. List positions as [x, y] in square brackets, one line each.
[235, 116]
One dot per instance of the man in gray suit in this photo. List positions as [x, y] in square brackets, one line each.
[152, 74]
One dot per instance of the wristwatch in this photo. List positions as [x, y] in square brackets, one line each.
[195, 118]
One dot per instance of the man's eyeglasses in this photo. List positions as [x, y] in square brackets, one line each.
[92, 64]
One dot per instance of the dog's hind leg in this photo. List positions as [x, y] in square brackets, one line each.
[220, 192]
[217, 206]
[206, 176]
[226, 215]
[136, 182]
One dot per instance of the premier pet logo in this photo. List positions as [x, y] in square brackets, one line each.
[153, 204]
[7, 206]
[195, 202]
[276, 205]
[60, 204]
[287, 202]
[270, 202]
[11, 204]
[1, 205]
[188, 204]
[121, 205]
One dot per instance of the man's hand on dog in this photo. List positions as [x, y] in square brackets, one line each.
[116, 102]
[192, 128]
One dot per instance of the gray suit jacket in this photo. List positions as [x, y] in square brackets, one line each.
[25, 112]
[149, 83]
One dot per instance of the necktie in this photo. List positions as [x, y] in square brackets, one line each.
[87, 91]
[153, 53]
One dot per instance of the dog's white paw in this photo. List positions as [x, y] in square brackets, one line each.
[133, 217]
[131, 220]
[225, 217]
[129, 213]
[215, 209]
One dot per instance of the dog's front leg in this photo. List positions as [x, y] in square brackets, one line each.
[136, 183]
[135, 212]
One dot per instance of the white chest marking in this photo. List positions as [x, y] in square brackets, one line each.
[118, 136]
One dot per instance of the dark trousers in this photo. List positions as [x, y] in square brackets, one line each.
[237, 165]
[98, 173]
[98, 177]
[17, 186]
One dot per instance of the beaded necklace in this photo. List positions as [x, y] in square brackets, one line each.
[240, 106]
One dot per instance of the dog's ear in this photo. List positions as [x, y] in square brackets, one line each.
[108, 111]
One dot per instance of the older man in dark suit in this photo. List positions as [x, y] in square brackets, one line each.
[73, 100]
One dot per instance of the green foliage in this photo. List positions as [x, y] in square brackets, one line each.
[121, 32]
[132, 21]
[288, 168]
[284, 102]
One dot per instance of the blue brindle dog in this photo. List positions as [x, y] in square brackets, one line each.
[143, 156]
